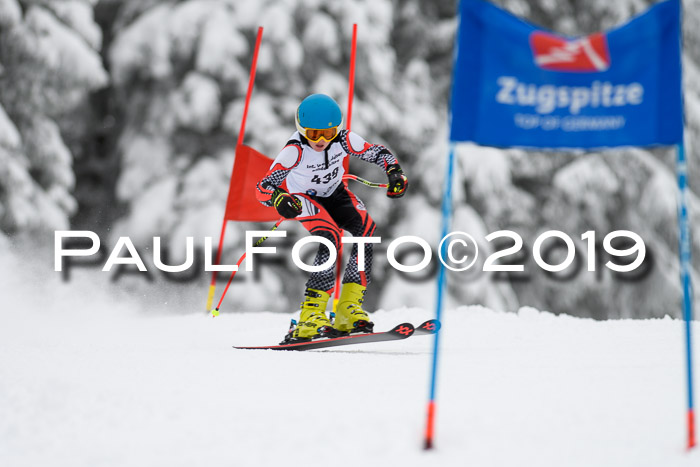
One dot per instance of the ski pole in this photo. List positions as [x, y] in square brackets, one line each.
[364, 182]
[215, 311]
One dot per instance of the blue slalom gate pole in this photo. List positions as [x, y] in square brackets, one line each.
[446, 216]
[685, 268]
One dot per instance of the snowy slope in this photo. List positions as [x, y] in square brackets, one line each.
[89, 379]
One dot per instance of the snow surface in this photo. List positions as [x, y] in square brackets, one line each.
[91, 376]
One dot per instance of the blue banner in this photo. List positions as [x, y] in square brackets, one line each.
[515, 84]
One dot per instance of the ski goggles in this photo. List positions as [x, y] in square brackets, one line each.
[314, 135]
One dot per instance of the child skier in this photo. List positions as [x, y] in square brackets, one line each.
[306, 182]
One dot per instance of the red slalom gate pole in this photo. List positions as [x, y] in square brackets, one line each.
[241, 135]
[351, 79]
[351, 92]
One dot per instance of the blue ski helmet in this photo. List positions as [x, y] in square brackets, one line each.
[318, 111]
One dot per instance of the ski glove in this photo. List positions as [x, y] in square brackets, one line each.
[287, 206]
[397, 181]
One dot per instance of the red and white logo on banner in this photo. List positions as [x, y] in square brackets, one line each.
[584, 54]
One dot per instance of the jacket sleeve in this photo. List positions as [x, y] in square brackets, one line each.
[286, 160]
[355, 145]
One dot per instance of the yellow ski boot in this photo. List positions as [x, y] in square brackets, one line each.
[313, 315]
[349, 316]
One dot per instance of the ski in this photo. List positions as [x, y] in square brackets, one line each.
[432, 326]
[400, 331]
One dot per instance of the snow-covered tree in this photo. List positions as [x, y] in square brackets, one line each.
[630, 189]
[49, 54]
[181, 71]
[169, 122]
